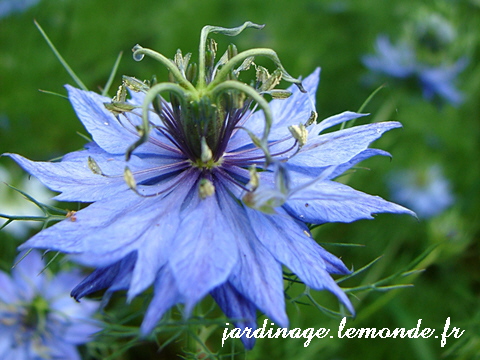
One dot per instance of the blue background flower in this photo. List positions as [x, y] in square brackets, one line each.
[425, 191]
[38, 318]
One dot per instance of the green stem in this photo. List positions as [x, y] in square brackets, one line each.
[112, 75]
[75, 78]
[138, 51]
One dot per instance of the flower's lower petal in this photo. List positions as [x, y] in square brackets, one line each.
[341, 146]
[114, 277]
[204, 251]
[236, 306]
[257, 275]
[105, 231]
[329, 201]
[166, 294]
[156, 249]
[291, 244]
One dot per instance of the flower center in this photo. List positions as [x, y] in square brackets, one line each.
[35, 314]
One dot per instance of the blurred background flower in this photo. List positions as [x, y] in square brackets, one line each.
[424, 52]
[8, 7]
[400, 61]
[427, 191]
[38, 318]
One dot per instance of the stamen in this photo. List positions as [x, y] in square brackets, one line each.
[129, 179]
[93, 166]
[205, 188]
[300, 133]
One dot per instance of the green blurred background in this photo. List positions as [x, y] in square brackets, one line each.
[306, 34]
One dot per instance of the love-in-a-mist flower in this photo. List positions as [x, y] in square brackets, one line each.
[38, 318]
[426, 191]
[401, 61]
[209, 193]
[8, 7]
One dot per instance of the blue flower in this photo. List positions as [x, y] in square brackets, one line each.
[427, 192]
[400, 61]
[8, 7]
[216, 198]
[38, 318]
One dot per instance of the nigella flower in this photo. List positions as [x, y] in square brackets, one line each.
[211, 192]
[401, 61]
[427, 192]
[8, 7]
[38, 318]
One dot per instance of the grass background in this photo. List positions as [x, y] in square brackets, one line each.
[306, 34]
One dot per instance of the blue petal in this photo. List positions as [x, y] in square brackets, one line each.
[7, 342]
[291, 111]
[78, 326]
[77, 182]
[291, 244]
[106, 277]
[9, 293]
[257, 275]
[315, 129]
[113, 135]
[157, 245]
[108, 229]
[397, 61]
[165, 296]
[329, 201]
[440, 80]
[341, 146]
[205, 250]
[310, 172]
[75, 179]
[296, 109]
[28, 276]
[60, 349]
[236, 306]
